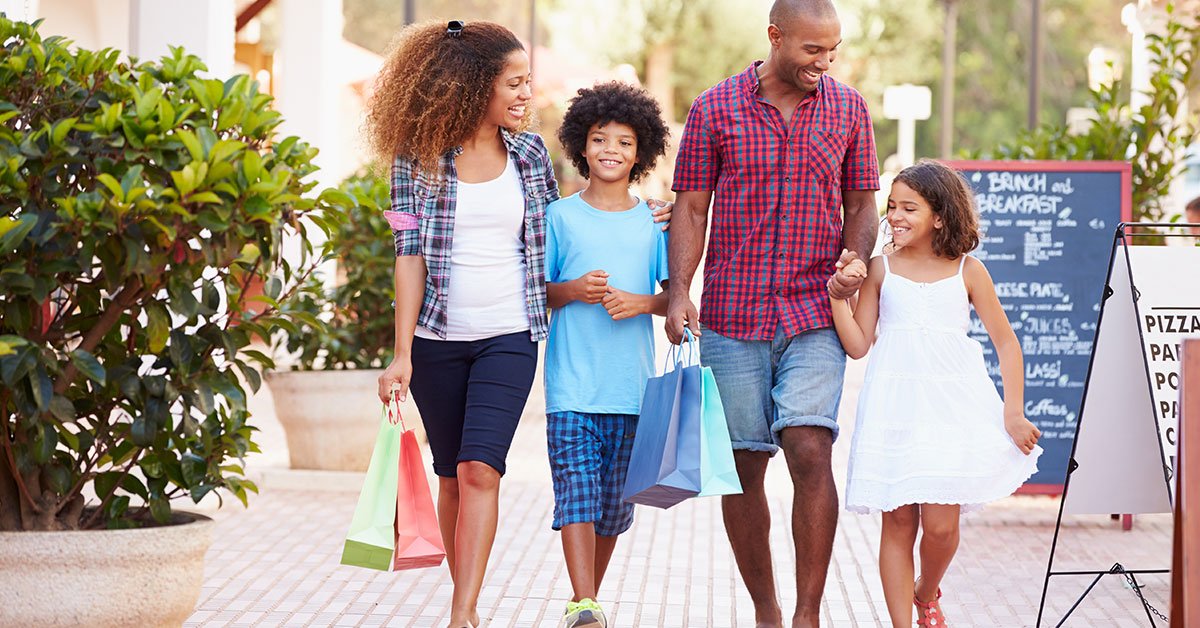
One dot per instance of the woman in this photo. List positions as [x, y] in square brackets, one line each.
[469, 195]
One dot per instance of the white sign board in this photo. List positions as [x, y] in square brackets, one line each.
[1129, 419]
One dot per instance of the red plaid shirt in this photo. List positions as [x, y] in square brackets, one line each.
[776, 227]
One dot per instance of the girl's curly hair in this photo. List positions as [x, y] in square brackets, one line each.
[614, 102]
[951, 199]
[434, 90]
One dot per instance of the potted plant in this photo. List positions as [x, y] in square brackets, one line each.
[327, 403]
[137, 202]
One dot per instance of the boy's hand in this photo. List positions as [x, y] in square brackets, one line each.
[1023, 432]
[591, 287]
[621, 304]
[661, 210]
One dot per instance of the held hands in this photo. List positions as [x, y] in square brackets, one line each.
[592, 287]
[661, 210]
[850, 273]
[1023, 432]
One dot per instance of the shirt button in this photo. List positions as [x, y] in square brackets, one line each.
[788, 179]
[779, 292]
[782, 255]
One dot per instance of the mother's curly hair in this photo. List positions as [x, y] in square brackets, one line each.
[614, 102]
[433, 91]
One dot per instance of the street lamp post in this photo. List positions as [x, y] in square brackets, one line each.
[1035, 63]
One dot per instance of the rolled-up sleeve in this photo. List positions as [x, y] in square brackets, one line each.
[860, 168]
[403, 215]
[699, 161]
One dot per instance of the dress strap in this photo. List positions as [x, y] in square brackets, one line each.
[886, 267]
[961, 264]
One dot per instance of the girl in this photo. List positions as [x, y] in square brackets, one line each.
[932, 437]
[469, 196]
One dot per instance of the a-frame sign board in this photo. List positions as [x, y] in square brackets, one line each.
[1123, 461]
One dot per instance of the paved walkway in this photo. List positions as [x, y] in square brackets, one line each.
[276, 563]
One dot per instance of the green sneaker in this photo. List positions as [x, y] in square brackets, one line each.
[585, 613]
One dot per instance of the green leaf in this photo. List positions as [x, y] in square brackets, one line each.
[273, 287]
[13, 232]
[88, 365]
[43, 388]
[194, 469]
[142, 432]
[159, 326]
[64, 411]
[45, 443]
[191, 144]
[160, 509]
[113, 186]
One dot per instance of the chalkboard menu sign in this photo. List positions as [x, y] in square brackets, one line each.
[1048, 229]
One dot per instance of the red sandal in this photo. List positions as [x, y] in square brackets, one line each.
[930, 613]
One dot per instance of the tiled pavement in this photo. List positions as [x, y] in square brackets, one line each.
[276, 563]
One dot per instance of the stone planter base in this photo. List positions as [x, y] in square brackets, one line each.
[331, 418]
[145, 577]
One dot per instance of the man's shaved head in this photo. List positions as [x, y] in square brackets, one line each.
[787, 11]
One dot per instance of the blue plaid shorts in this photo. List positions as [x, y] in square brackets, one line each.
[589, 459]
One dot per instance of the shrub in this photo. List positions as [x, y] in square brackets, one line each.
[138, 203]
[358, 313]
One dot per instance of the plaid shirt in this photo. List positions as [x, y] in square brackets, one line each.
[422, 220]
[776, 219]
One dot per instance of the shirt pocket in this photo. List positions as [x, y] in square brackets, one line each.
[827, 150]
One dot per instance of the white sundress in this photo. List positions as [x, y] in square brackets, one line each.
[930, 426]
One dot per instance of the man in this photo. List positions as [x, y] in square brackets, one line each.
[783, 146]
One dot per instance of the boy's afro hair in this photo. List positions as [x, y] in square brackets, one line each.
[614, 102]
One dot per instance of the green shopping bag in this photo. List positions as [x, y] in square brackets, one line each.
[371, 540]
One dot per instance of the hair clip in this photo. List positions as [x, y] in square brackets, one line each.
[454, 28]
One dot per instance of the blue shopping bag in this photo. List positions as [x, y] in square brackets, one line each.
[718, 473]
[664, 467]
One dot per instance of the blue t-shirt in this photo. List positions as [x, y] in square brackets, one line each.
[593, 363]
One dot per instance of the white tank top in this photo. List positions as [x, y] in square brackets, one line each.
[487, 261]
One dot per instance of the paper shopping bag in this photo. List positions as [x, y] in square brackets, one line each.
[664, 467]
[718, 473]
[418, 538]
[372, 536]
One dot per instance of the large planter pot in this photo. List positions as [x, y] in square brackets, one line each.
[139, 577]
[331, 418]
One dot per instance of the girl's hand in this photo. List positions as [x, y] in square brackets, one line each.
[397, 375]
[1023, 432]
[591, 287]
[661, 211]
[621, 304]
[856, 269]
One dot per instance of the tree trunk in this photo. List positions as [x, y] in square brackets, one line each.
[10, 499]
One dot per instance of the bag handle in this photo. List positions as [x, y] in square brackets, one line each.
[676, 354]
[396, 417]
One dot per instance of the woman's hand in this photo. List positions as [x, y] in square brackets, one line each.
[661, 210]
[396, 376]
[1023, 432]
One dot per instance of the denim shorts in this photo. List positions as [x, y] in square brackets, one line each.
[767, 386]
[589, 461]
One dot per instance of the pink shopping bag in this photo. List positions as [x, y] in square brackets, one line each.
[418, 538]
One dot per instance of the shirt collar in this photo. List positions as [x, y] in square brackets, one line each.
[749, 81]
[514, 143]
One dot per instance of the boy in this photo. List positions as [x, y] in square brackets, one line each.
[604, 257]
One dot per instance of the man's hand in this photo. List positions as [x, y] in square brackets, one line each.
[661, 210]
[592, 287]
[681, 312]
[843, 285]
[621, 304]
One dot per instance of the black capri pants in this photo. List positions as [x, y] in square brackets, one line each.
[471, 395]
